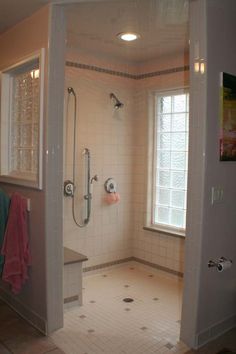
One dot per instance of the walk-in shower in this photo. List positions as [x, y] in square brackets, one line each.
[70, 185]
[112, 91]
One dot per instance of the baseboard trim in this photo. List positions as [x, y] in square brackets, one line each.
[73, 298]
[139, 260]
[215, 331]
[30, 316]
[159, 267]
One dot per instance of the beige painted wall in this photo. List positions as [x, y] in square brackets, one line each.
[37, 302]
[15, 44]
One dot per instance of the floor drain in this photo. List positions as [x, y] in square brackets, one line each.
[128, 299]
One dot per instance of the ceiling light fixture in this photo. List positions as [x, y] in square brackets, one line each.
[128, 36]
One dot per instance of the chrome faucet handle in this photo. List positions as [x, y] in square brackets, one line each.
[212, 264]
[221, 264]
[69, 189]
[94, 178]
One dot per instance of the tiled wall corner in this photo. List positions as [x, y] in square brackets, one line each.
[118, 142]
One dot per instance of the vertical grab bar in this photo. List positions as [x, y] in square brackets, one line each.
[69, 186]
[88, 196]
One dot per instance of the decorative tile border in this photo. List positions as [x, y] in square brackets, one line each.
[100, 70]
[71, 299]
[159, 267]
[163, 72]
[125, 74]
[108, 264]
[139, 260]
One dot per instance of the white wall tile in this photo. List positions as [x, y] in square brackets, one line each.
[118, 144]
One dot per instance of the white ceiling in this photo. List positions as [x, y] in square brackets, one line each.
[162, 24]
[93, 25]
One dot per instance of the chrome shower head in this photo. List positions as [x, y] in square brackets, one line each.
[71, 91]
[86, 151]
[118, 104]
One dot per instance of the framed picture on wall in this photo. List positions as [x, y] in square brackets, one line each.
[228, 117]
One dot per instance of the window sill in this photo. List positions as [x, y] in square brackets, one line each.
[26, 182]
[165, 231]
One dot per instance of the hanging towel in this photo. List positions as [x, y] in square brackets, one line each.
[16, 245]
[4, 208]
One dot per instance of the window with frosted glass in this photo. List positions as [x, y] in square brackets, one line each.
[22, 121]
[171, 160]
[25, 122]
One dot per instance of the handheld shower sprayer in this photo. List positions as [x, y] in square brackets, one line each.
[86, 152]
[117, 103]
[69, 185]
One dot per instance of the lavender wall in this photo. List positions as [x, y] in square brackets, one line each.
[209, 306]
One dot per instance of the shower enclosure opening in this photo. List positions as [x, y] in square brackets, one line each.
[126, 122]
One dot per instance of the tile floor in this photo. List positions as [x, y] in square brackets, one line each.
[150, 324]
[107, 324]
[18, 337]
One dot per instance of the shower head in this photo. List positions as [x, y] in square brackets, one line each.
[118, 104]
[71, 91]
[86, 151]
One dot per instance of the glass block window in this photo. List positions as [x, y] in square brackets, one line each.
[25, 122]
[171, 160]
[22, 122]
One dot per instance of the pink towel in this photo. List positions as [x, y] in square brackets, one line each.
[16, 245]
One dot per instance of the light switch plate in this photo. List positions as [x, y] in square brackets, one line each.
[217, 194]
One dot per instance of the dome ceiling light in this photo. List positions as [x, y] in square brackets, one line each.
[128, 36]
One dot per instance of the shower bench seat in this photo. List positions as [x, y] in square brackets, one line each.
[72, 282]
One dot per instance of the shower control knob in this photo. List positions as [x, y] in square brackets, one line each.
[69, 188]
[110, 185]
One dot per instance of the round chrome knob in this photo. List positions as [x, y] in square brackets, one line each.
[69, 188]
